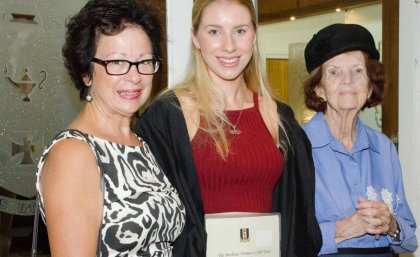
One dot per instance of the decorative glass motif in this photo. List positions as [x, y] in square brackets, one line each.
[25, 84]
[37, 97]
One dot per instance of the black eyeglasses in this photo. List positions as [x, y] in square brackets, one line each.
[121, 67]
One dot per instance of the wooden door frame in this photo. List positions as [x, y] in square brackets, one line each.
[390, 32]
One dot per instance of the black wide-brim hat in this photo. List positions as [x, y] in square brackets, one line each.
[336, 39]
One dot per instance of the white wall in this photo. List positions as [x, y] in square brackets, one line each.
[274, 39]
[179, 38]
[409, 103]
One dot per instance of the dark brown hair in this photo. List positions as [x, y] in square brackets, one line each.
[375, 72]
[103, 17]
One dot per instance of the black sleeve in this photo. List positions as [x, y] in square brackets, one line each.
[301, 235]
[163, 128]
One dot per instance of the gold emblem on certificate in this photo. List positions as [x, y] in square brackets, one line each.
[244, 234]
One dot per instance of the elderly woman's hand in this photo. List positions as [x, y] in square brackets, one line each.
[370, 217]
[378, 216]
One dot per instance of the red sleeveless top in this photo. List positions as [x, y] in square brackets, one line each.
[244, 182]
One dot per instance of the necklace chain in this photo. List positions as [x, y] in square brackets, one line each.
[233, 129]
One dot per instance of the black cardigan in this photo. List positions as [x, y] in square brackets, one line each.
[164, 129]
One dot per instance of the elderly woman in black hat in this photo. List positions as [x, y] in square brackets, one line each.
[360, 200]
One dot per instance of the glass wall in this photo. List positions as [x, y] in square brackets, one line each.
[37, 100]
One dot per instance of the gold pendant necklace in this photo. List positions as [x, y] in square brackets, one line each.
[233, 129]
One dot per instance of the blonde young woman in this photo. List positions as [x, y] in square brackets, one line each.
[226, 144]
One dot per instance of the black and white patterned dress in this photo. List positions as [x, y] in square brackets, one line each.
[142, 213]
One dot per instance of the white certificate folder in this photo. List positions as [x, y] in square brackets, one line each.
[243, 234]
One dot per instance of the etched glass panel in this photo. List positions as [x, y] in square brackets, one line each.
[37, 98]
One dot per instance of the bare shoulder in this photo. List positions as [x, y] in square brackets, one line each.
[73, 201]
[69, 153]
[70, 165]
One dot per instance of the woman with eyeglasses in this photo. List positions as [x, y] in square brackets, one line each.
[101, 191]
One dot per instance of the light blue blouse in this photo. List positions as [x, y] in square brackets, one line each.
[371, 170]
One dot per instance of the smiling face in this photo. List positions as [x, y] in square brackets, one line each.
[226, 38]
[123, 94]
[345, 83]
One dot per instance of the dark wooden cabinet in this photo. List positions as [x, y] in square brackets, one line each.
[269, 7]
[280, 10]
[390, 45]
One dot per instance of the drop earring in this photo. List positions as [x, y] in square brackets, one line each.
[89, 98]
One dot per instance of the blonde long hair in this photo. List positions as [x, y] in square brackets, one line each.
[204, 98]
